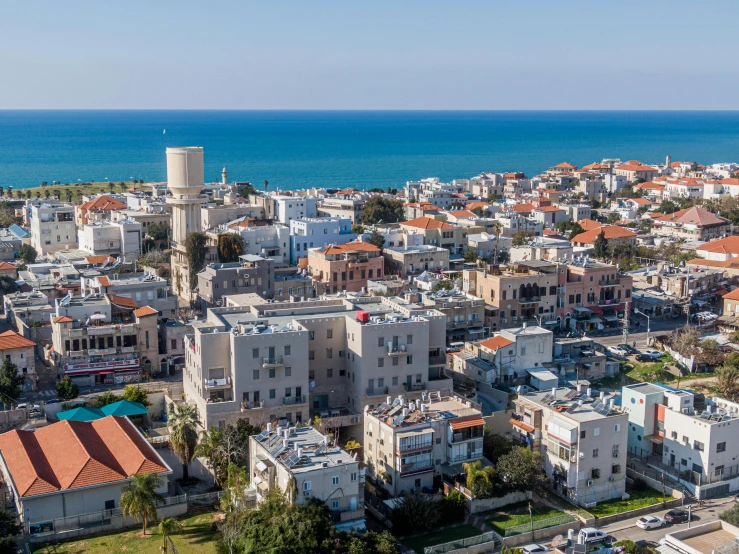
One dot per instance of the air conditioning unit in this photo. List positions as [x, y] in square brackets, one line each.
[307, 493]
[590, 482]
[515, 318]
[611, 478]
[504, 321]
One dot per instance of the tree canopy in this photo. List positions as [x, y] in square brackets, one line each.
[521, 238]
[67, 389]
[379, 209]
[196, 246]
[230, 247]
[11, 382]
[522, 469]
[9, 528]
[136, 393]
[158, 231]
[183, 436]
[27, 253]
[7, 285]
[600, 246]
[139, 497]
[377, 239]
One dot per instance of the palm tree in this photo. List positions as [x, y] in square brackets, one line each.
[38, 194]
[44, 183]
[139, 497]
[167, 527]
[122, 186]
[183, 434]
[28, 194]
[266, 184]
[479, 480]
[68, 194]
[497, 230]
[46, 194]
[58, 193]
[111, 186]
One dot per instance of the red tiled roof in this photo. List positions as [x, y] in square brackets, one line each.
[427, 223]
[122, 301]
[11, 339]
[733, 295]
[523, 208]
[650, 185]
[146, 310]
[702, 262]
[348, 247]
[99, 259]
[521, 425]
[589, 224]
[640, 201]
[548, 209]
[465, 422]
[565, 165]
[729, 245]
[462, 213]
[609, 231]
[729, 181]
[695, 215]
[102, 451]
[103, 203]
[104, 281]
[4, 266]
[593, 166]
[635, 165]
[472, 205]
[63, 319]
[496, 342]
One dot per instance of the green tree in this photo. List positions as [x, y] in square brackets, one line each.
[183, 435]
[27, 253]
[377, 239]
[357, 229]
[569, 228]
[196, 246]
[710, 353]
[521, 238]
[727, 379]
[122, 186]
[139, 498]
[11, 382]
[379, 209]
[47, 194]
[667, 207]
[111, 186]
[470, 256]
[7, 285]
[234, 488]
[57, 193]
[443, 284]
[417, 512]
[497, 230]
[480, 480]
[68, 194]
[266, 184]
[9, 528]
[454, 506]
[731, 516]
[600, 246]
[67, 389]
[522, 469]
[612, 217]
[230, 247]
[167, 527]
[106, 398]
[159, 231]
[7, 214]
[136, 393]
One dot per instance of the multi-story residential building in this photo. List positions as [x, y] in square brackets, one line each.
[513, 223]
[583, 440]
[52, 228]
[250, 274]
[576, 212]
[316, 232]
[526, 291]
[437, 233]
[465, 314]
[583, 358]
[20, 351]
[543, 248]
[634, 169]
[97, 209]
[593, 295]
[345, 267]
[104, 339]
[431, 190]
[145, 289]
[691, 282]
[24, 311]
[486, 185]
[550, 215]
[731, 303]
[694, 223]
[414, 260]
[348, 207]
[613, 235]
[212, 217]
[122, 238]
[694, 442]
[290, 285]
[300, 463]
[412, 210]
[288, 208]
[143, 217]
[261, 239]
[289, 360]
[407, 444]
[172, 345]
[720, 250]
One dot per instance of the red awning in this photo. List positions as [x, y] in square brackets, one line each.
[464, 422]
[521, 425]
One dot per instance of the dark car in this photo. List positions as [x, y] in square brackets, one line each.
[644, 358]
[630, 349]
[677, 516]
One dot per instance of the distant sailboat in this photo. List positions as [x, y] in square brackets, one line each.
[164, 132]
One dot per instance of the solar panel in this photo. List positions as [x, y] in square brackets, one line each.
[597, 405]
[605, 410]
[263, 435]
[572, 394]
[547, 399]
[394, 411]
[292, 459]
[571, 408]
[277, 450]
[321, 449]
[398, 420]
[580, 549]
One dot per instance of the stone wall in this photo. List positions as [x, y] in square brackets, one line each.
[540, 534]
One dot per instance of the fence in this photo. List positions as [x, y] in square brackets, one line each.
[687, 475]
[538, 524]
[205, 499]
[489, 537]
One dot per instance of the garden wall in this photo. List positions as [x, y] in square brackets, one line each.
[475, 506]
[653, 483]
[539, 534]
[633, 513]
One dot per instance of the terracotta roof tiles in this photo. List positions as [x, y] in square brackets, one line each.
[729, 245]
[427, 223]
[63, 319]
[146, 310]
[103, 203]
[5, 266]
[609, 231]
[494, 343]
[122, 301]
[11, 339]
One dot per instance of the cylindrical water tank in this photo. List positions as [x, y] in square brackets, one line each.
[185, 170]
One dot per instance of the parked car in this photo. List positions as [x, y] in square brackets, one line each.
[677, 516]
[644, 358]
[650, 522]
[534, 549]
[618, 351]
[591, 534]
[630, 349]
[656, 354]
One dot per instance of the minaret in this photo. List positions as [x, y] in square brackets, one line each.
[224, 177]
[185, 181]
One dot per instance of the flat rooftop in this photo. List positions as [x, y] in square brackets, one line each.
[569, 404]
[646, 388]
[306, 441]
[432, 407]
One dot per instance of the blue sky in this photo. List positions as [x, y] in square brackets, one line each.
[372, 54]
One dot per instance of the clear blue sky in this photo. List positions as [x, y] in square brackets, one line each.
[370, 54]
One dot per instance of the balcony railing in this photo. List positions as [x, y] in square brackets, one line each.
[466, 457]
[414, 447]
[437, 359]
[292, 400]
[399, 350]
[256, 405]
[414, 386]
[104, 330]
[211, 384]
[76, 332]
[271, 362]
[101, 351]
[609, 282]
[418, 466]
[377, 391]
[528, 299]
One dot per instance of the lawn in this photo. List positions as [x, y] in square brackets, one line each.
[196, 537]
[518, 514]
[87, 188]
[639, 499]
[440, 537]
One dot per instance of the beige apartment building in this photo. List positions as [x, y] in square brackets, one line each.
[20, 351]
[438, 233]
[523, 292]
[465, 314]
[52, 228]
[414, 260]
[300, 463]
[342, 207]
[583, 440]
[288, 361]
[406, 444]
[345, 267]
[104, 339]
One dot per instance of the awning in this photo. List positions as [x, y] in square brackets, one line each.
[610, 318]
[465, 422]
[261, 466]
[521, 425]
[582, 310]
[551, 322]
[655, 438]
[475, 331]
[595, 320]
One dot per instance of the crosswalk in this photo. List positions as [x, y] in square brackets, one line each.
[47, 393]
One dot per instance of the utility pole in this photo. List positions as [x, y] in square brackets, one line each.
[663, 490]
[625, 322]
[531, 519]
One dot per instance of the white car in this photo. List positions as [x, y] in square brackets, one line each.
[656, 354]
[591, 534]
[618, 351]
[650, 522]
[534, 549]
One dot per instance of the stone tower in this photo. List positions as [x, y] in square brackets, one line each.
[185, 181]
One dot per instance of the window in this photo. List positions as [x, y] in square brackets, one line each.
[395, 381]
[329, 373]
[255, 352]
[686, 440]
[523, 348]
[288, 371]
[595, 452]
[409, 360]
[697, 445]
[288, 392]
[380, 341]
[255, 374]
[272, 373]
[334, 504]
[721, 447]
[329, 333]
[342, 372]
[272, 393]
[311, 354]
[582, 434]
[674, 434]
[287, 350]
[173, 344]
[541, 347]
[110, 504]
[311, 335]
[595, 473]
[615, 469]
[380, 362]
[617, 427]
[354, 477]
[409, 339]
[329, 352]
[395, 361]
[335, 480]
[596, 432]
[307, 486]
[614, 451]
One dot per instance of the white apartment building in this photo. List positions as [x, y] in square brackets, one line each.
[406, 444]
[52, 228]
[267, 241]
[146, 289]
[344, 207]
[300, 462]
[512, 223]
[291, 360]
[288, 208]
[433, 191]
[316, 232]
[583, 439]
[122, 238]
[696, 444]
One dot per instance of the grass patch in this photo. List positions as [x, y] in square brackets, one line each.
[84, 188]
[196, 537]
[440, 537]
[638, 499]
[518, 514]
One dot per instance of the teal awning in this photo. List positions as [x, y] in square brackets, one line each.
[124, 408]
[83, 413]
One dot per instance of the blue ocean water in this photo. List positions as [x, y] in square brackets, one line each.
[296, 149]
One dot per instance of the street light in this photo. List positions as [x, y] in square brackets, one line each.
[636, 311]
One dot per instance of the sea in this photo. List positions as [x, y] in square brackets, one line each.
[337, 149]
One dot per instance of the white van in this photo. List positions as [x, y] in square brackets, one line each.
[590, 534]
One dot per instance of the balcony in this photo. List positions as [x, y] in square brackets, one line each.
[275, 361]
[437, 359]
[469, 456]
[293, 400]
[218, 384]
[414, 386]
[101, 351]
[128, 328]
[412, 447]
[378, 391]
[349, 515]
[128, 349]
[416, 467]
[399, 350]
[76, 332]
[529, 299]
[609, 283]
[256, 405]
[97, 331]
